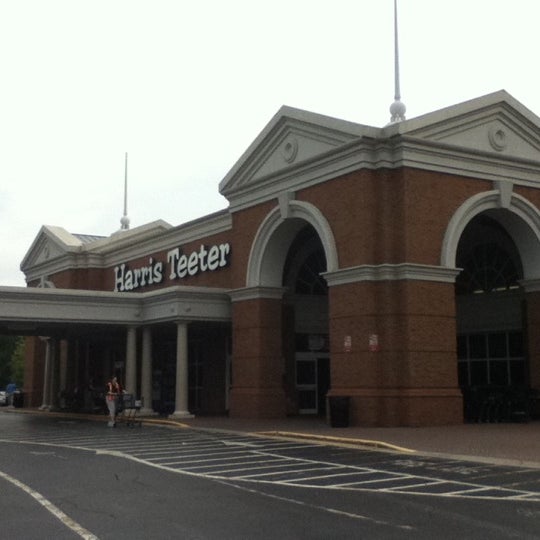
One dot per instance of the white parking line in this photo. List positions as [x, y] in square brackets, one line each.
[54, 510]
[235, 460]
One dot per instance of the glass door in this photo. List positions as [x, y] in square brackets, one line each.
[306, 383]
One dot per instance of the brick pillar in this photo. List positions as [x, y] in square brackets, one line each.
[257, 359]
[393, 351]
[34, 368]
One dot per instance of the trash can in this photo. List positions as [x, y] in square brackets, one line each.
[18, 399]
[339, 411]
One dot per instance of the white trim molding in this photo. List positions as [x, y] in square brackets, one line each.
[256, 293]
[391, 272]
[274, 236]
[519, 217]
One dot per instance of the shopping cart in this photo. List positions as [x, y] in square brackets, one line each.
[131, 408]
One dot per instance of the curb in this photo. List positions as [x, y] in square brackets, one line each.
[334, 440]
[283, 434]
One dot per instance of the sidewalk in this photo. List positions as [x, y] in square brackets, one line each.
[513, 443]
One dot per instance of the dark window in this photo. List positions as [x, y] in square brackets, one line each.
[305, 263]
[477, 346]
[497, 345]
[309, 280]
[494, 358]
[488, 257]
[488, 268]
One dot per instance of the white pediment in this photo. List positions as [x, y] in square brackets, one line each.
[490, 137]
[47, 251]
[292, 137]
[50, 243]
[495, 123]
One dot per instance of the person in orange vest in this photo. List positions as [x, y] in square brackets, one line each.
[114, 394]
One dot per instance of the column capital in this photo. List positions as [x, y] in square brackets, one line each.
[257, 293]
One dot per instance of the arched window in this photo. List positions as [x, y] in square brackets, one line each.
[488, 268]
[489, 343]
[305, 263]
[489, 259]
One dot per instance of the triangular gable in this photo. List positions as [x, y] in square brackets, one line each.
[495, 123]
[54, 242]
[50, 243]
[299, 148]
[292, 137]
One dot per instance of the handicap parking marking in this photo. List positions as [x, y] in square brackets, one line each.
[255, 459]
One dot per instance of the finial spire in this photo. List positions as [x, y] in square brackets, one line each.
[397, 109]
[124, 221]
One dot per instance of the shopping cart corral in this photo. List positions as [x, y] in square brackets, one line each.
[131, 407]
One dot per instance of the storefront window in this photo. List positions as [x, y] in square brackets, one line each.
[494, 358]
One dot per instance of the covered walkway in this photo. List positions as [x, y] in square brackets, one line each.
[100, 319]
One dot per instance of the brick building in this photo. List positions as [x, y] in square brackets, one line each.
[399, 266]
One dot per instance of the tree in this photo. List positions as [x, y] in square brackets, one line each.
[11, 360]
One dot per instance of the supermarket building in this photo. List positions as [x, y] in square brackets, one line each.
[399, 266]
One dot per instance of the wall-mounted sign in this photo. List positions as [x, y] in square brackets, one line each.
[347, 344]
[178, 265]
[374, 342]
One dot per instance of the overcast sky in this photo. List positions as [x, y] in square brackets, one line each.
[184, 88]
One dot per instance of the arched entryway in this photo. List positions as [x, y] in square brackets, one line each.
[280, 319]
[492, 362]
[306, 340]
[496, 246]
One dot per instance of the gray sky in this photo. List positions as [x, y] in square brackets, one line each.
[184, 88]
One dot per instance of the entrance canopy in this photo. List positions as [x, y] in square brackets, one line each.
[42, 311]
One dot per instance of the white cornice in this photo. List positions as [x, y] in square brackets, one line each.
[391, 272]
[33, 306]
[401, 151]
[198, 229]
[451, 159]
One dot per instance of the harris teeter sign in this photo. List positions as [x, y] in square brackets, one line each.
[177, 266]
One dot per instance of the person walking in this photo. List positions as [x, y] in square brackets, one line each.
[114, 393]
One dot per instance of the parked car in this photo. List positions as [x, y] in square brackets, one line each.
[3, 398]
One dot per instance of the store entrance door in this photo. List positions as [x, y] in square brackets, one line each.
[312, 382]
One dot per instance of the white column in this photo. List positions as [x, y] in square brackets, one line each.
[181, 402]
[146, 372]
[46, 400]
[131, 361]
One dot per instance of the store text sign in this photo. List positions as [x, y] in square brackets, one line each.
[177, 266]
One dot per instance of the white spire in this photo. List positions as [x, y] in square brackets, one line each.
[397, 109]
[124, 221]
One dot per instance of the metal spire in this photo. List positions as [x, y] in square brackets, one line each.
[397, 109]
[124, 221]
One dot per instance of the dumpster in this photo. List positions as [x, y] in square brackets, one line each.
[339, 411]
[18, 399]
